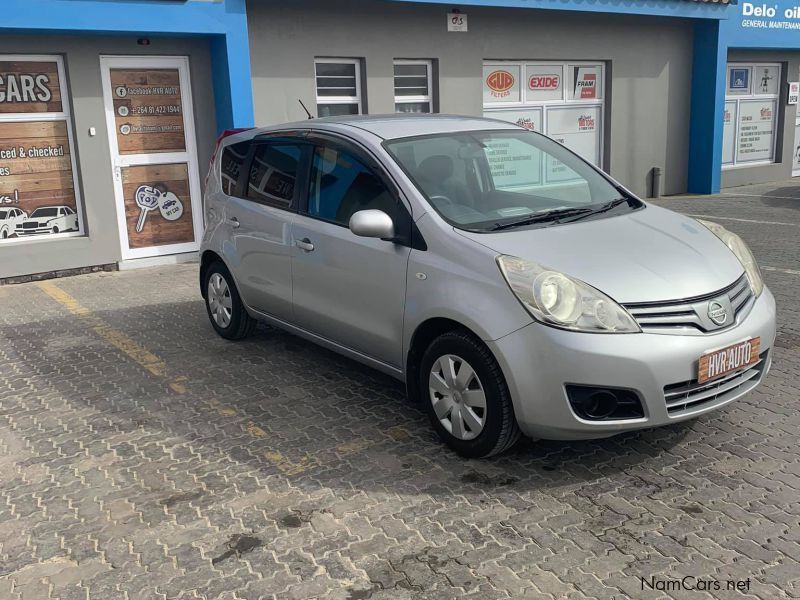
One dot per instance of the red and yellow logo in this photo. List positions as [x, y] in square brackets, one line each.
[500, 82]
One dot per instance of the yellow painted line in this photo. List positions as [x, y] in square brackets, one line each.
[136, 352]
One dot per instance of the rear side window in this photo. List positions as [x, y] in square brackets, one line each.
[233, 158]
[273, 174]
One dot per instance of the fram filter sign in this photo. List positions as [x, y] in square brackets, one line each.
[500, 83]
[585, 83]
[545, 82]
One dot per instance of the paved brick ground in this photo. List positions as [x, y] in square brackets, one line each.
[143, 457]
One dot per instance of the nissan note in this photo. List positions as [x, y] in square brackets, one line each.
[514, 287]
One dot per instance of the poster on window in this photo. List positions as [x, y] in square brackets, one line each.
[37, 187]
[29, 86]
[513, 163]
[586, 82]
[529, 118]
[544, 82]
[501, 84]
[728, 132]
[158, 209]
[579, 129]
[148, 112]
[766, 79]
[756, 137]
[738, 80]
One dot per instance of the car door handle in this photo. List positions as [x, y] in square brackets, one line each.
[305, 245]
[234, 222]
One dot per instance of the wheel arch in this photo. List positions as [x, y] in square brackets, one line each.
[206, 260]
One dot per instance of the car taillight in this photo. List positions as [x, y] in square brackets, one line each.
[223, 135]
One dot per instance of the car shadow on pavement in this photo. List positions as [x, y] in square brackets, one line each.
[785, 197]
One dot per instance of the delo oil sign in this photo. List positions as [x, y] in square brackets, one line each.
[500, 83]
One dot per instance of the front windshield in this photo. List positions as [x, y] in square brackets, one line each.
[489, 180]
[45, 212]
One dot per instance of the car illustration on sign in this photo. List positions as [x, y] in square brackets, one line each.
[48, 219]
[9, 219]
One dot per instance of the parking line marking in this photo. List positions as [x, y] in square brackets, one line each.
[744, 220]
[139, 354]
[740, 195]
[777, 270]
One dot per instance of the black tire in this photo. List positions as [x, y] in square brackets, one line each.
[241, 325]
[55, 229]
[500, 431]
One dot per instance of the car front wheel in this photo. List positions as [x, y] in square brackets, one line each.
[225, 309]
[466, 396]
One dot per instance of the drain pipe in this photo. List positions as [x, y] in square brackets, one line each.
[655, 191]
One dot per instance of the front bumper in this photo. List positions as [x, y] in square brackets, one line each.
[539, 361]
[32, 231]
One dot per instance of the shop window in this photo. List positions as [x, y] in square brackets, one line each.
[563, 100]
[338, 83]
[413, 86]
[38, 192]
[750, 116]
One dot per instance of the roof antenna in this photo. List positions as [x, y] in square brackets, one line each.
[310, 116]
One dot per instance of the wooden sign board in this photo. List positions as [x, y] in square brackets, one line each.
[158, 207]
[29, 86]
[148, 111]
[36, 172]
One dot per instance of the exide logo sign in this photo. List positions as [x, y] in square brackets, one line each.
[545, 82]
[500, 82]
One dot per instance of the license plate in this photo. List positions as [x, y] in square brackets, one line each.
[718, 363]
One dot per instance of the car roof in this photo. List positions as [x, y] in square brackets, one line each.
[389, 127]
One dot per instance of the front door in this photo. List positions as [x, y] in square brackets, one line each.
[150, 120]
[348, 289]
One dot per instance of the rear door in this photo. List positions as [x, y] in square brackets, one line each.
[349, 289]
[259, 222]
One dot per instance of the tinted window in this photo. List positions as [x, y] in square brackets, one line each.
[45, 212]
[233, 158]
[273, 174]
[342, 185]
[4, 214]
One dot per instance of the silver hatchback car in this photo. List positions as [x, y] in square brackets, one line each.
[511, 285]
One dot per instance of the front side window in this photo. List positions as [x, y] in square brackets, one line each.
[493, 180]
[342, 185]
[273, 174]
[338, 83]
[413, 83]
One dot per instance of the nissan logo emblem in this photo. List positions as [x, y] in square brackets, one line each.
[717, 312]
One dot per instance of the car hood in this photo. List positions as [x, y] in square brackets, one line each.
[648, 255]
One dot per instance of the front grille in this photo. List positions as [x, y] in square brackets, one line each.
[690, 395]
[30, 225]
[685, 316]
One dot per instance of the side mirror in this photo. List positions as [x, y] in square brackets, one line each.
[372, 223]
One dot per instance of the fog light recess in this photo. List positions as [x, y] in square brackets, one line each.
[604, 404]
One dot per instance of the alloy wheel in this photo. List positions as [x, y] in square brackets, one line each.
[458, 397]
[220, 303]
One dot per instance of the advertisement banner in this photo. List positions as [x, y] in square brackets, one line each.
[756, 138]
[766, 79]
[728, 133]
[544, 82]
[148, 111]
[586, 82]
[579, 129]
[158, 208]
[514, 164]
[501, 84]
[529, 118]
[28, 86]
[738, 80]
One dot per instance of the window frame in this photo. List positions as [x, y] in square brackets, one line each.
[427, 99]
[358, 99]
[303, 166]
[753, 96]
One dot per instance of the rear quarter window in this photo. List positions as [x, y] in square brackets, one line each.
[233, 158]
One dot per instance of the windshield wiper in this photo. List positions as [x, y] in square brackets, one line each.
[605, 208]
[545, 217]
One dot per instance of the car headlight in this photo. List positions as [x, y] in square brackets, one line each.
[741, 251]
[556, 299]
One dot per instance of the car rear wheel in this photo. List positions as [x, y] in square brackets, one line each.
[466, 396]
[225, 309]
[4, 234]
[55, 229]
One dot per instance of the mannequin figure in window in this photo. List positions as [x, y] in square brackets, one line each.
[436, 174]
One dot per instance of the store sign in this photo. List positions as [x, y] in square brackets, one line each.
[739, 80]
[794, 92]
[457, 22]
[29, 87]
[158, 209]
[766, 79]
[37, 182]
[761, 15]
[501, 84]
[530, 118]
[148, 111]
[585, 83]
[544, 82]
[756, 138]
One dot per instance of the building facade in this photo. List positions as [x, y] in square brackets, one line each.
[109, 111]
